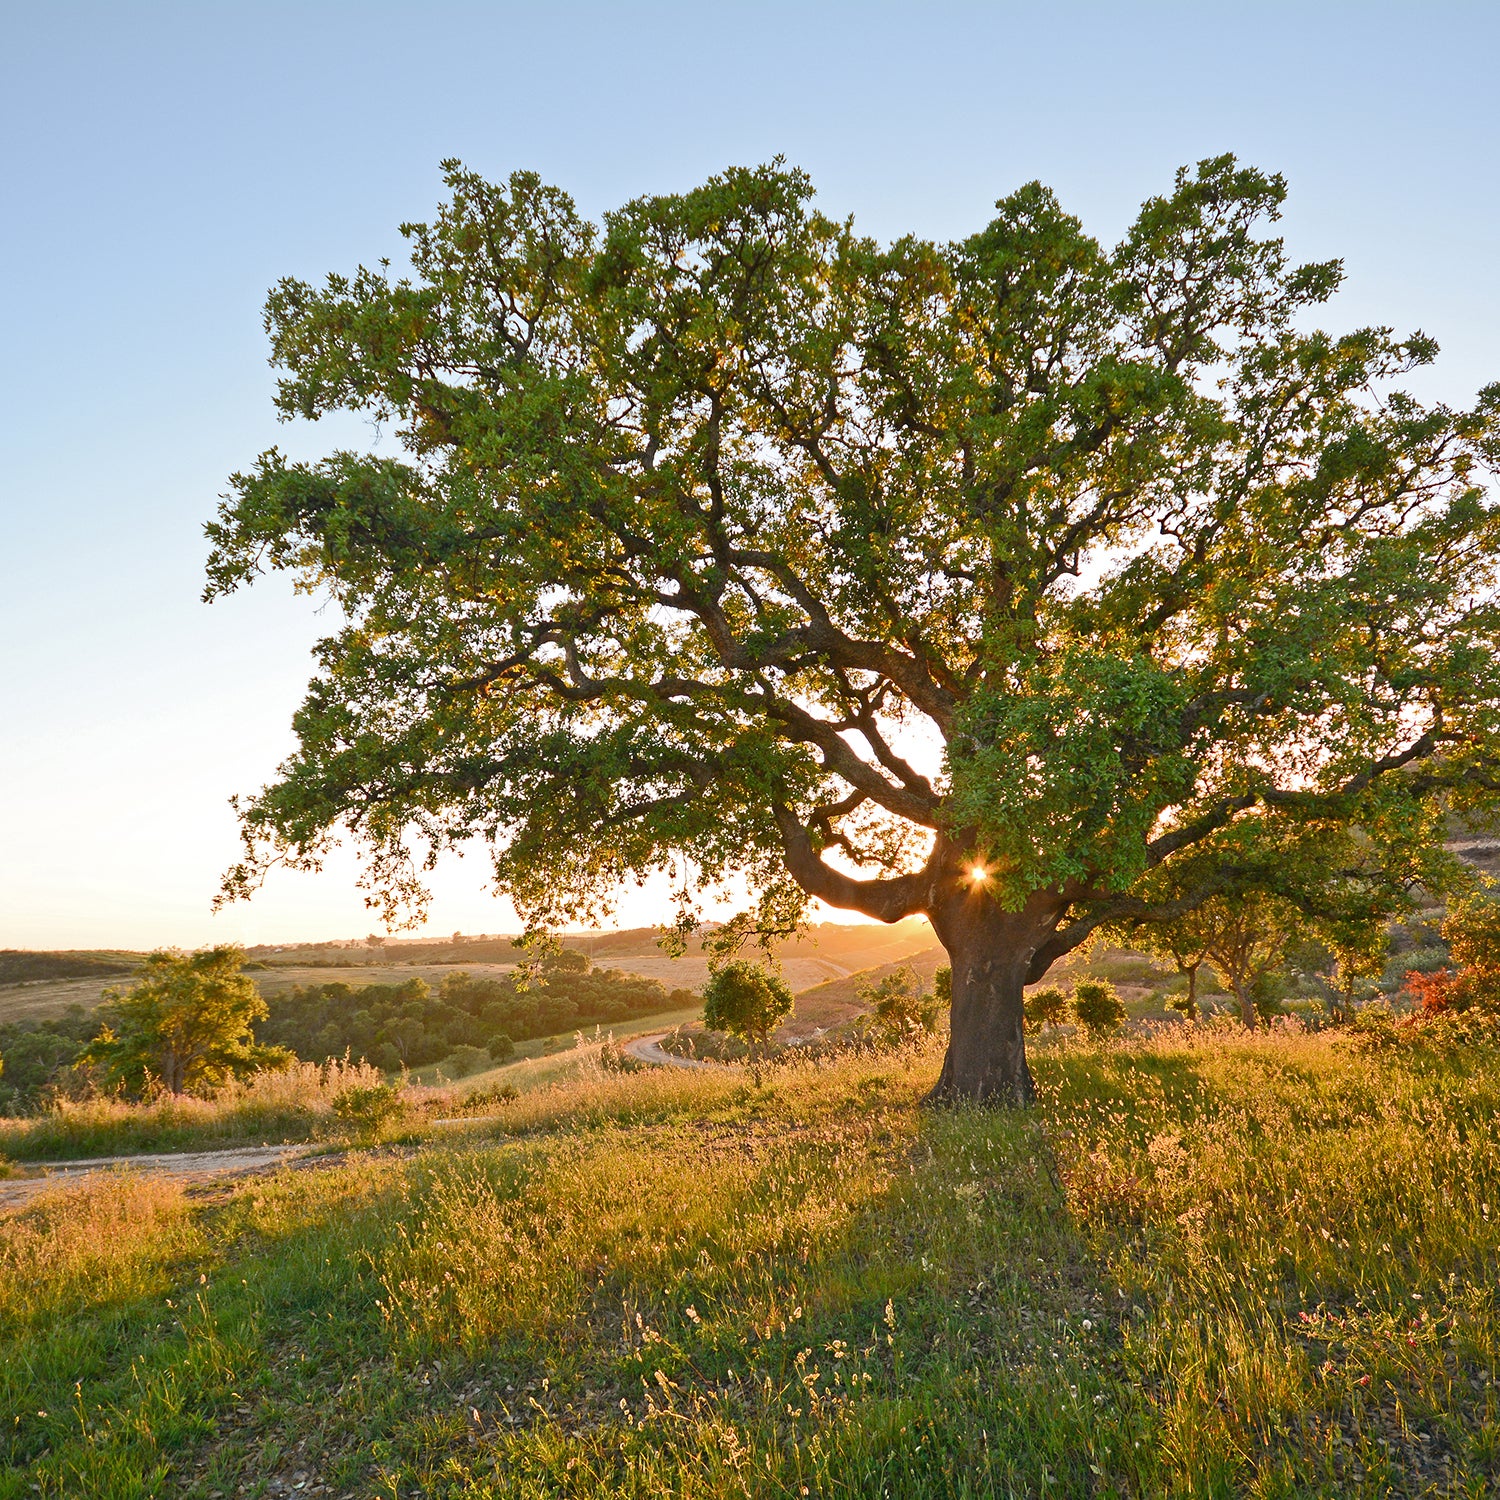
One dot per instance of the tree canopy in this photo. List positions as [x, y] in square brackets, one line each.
[1025, 581]
[746, 1000]
[185, 1025]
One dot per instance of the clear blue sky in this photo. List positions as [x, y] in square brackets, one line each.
[164, 164]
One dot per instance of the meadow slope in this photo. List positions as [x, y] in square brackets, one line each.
[1204, 1265]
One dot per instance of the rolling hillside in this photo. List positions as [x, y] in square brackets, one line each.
[39, 985]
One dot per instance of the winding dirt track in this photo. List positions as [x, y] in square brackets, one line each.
[648, 1049]
[182, 1166]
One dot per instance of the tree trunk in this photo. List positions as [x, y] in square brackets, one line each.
[991, 952]
[1247, 1006]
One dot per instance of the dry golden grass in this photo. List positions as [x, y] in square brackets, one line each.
[295, 1104]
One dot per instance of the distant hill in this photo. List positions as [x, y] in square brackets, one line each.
[37, 985]
[22, 966]
[836, 1000]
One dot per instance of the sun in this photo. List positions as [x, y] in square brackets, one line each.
[978, 873]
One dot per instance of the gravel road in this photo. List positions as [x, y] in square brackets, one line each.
[648, 1049]
[184, 1166]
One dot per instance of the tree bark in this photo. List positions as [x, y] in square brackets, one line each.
[1248, 1018]
[991, 952]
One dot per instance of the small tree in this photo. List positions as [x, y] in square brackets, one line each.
[901, 1004]
[1182, 942]
[1096, 1006]
[1472, 931]
[1358, 962]
[1045, 1007]
[745, 1000]
[186, 1025]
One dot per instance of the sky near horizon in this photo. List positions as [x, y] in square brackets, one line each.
[164, 164]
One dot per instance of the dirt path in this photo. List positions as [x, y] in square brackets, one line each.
[648, 1049]
[183, 1166]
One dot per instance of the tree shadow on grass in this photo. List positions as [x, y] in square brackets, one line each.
[869, 1298]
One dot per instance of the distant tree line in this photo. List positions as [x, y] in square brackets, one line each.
[395, 1025]
[37, 1054]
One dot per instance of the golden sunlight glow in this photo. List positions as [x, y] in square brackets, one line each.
[978, 873]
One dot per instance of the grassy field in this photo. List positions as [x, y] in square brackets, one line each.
[1205, 1265]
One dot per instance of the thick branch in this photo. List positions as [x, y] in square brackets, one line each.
[887, 900]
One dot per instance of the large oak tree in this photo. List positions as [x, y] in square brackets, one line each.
[1028, 583]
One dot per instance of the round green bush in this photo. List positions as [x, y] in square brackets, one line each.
[1096, 1006]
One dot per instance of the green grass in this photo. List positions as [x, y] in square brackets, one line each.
[1205, 1265]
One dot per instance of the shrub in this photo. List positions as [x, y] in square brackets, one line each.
[386, 1057]
[365, 1109]
[505, 1093]
[1427, 959]
[465, 1060]
[901, 1006]
[1096, 1006]
[501, 1049]
[1433, 992]
[613, 1058]
[1267, 991]
[1045, 1007]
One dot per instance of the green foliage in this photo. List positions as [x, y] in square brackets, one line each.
[747, 1001]
[1267, 992]
[39, 1057]
[366, 1109]
[1097, 1007]
[695, 505]
[1256, 939]
[406, 1025]
[187, 1025]
[1045, 1007]
[942, 985]
[901, 1005]
[464, 1060]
